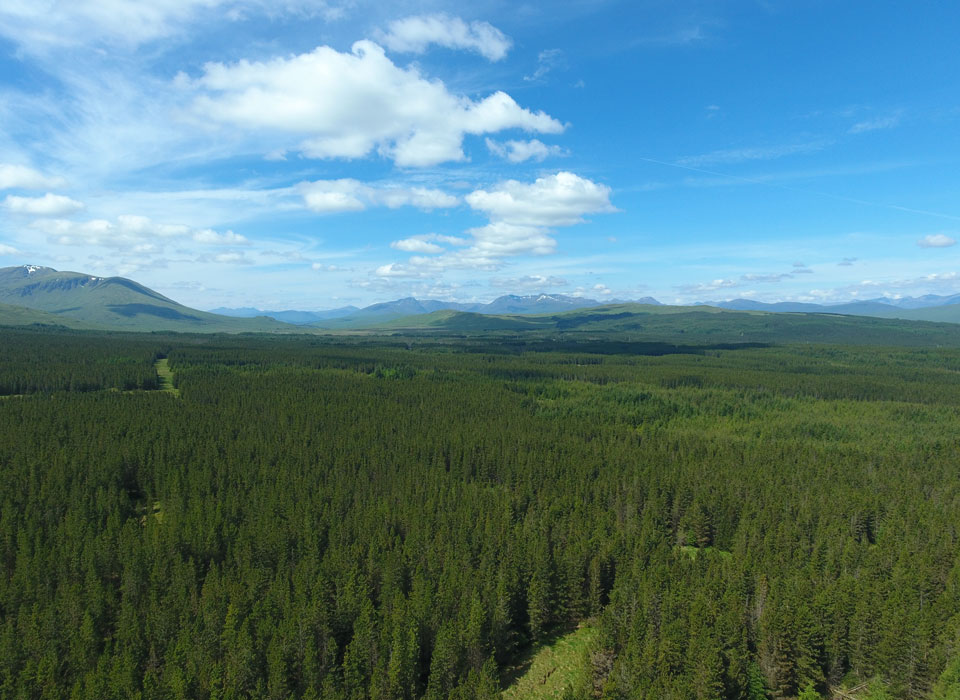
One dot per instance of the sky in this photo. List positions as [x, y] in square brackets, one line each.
[310, 154]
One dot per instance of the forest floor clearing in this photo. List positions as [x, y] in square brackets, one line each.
[166, 376]
[550, 669]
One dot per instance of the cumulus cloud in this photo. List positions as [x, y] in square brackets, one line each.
[346, 105]
[416, 34]
[47, 205]
[519, 151]
[129, 233]
[347, 194]
[22, 177]
[521, 218]
[553, 200]
[936, 240]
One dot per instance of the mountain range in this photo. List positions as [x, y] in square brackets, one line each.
[31, 294]
[351, 316]
[930, 307]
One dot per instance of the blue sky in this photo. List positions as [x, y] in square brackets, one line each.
[314, 153]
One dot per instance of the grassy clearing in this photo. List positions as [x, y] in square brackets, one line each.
[553, 668]
[166, 376]
[692, 551]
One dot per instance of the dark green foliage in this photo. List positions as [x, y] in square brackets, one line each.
[311, 519]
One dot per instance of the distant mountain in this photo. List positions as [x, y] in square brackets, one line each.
[535, 304]
[509, 304]
[921, 302]
[927, 308]
[648, 323]
[110, 303]
[297, 318]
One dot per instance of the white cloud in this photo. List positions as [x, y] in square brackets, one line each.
[8, 249]
[519, 151]
[399, 271]
[521, 217]
[936, 240]
[427, 243]
[20, 176]
[712, 286]
[347, 194]
[416, 245]
[47, 205]
[553, 200]
[415, 34]
[420, 197]
[38, 25]
[212, 237]
[332, 196]
[602, 289]
[128, 233]
[875, 124]
[346, 105]
[528, 282]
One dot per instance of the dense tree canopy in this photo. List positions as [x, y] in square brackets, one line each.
[392, 518]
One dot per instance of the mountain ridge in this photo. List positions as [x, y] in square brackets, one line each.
[114, 303]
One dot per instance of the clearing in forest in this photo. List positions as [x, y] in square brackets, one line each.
[166, 376]
[554, 668]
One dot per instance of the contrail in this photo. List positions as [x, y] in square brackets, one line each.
[841, 198]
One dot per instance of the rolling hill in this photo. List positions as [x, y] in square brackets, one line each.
[78, 300]
[691, 324]
[927, 308]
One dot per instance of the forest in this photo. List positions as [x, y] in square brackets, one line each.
[400, 517]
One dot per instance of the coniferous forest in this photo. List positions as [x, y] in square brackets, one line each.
[406, 517]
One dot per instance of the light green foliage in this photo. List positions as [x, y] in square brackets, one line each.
[556, 669]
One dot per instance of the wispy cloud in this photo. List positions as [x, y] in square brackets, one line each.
[740, 155]
[680, 37]
[547, 60]
[887, 122]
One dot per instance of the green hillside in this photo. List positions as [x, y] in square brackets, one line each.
[693, 324]
[22, 316]
[79, 300]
